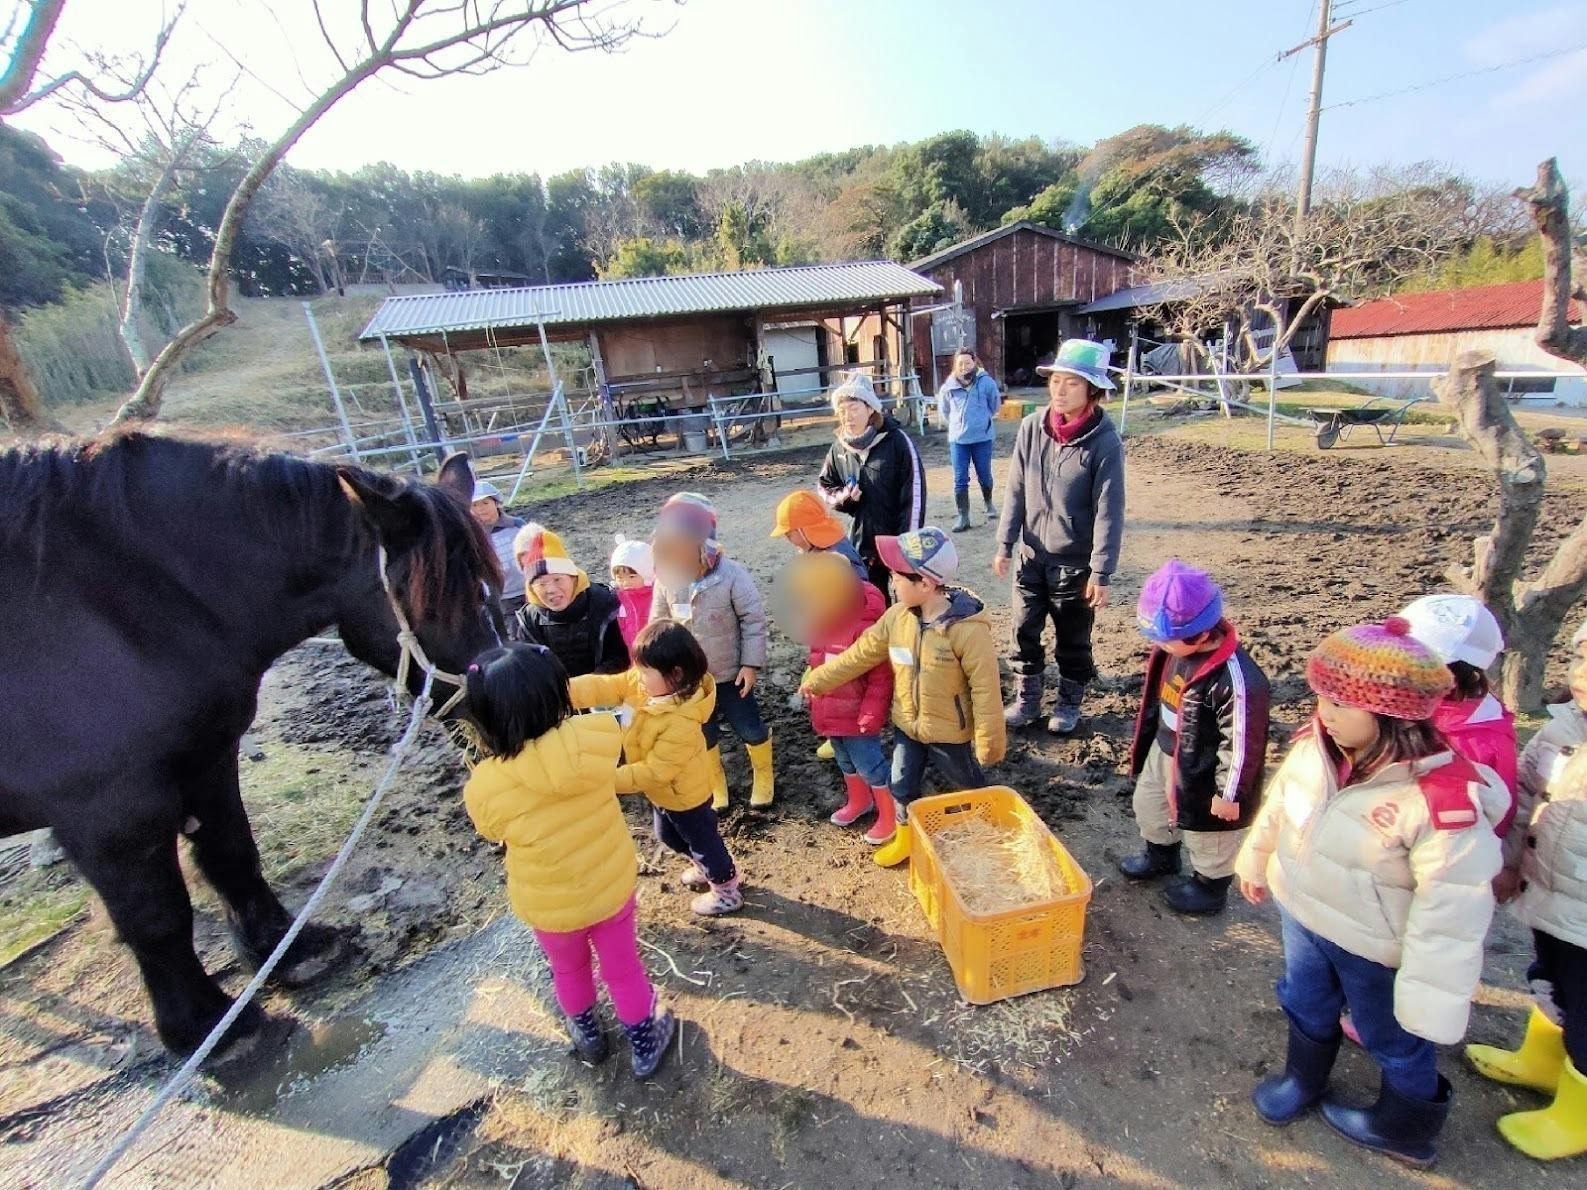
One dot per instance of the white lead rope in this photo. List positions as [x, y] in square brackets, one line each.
[182, 1077]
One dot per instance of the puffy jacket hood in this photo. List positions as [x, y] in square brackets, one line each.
[963, 605]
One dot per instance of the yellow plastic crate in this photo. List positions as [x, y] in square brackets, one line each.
[998, 955]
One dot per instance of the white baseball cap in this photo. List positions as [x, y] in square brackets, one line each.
[1456, 628]
[485, 490]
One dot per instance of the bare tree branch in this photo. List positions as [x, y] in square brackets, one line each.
[17, 89]
[433, 38]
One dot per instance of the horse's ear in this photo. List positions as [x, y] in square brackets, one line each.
[390, 513]
[457, 476]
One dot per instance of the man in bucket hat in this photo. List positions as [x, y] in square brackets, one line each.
[1061, 529]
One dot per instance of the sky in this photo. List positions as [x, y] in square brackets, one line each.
[1492, 88]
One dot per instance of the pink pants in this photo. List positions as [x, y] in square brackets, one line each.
[622, 971]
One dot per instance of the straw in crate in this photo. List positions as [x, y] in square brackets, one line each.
[1005, 952]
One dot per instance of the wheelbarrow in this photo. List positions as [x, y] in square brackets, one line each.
[1381, 413]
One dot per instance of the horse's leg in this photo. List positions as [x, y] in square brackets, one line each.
[133, 867]
[223, 845]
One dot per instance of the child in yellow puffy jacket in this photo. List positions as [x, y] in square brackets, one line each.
[666, 700]
[947, 705]
[548, 792]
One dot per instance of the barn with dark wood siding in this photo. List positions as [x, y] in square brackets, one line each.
[1021, 286]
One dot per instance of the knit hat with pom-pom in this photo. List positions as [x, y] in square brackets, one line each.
[1379, 668]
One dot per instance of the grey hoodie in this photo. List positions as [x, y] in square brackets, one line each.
[1065, 503]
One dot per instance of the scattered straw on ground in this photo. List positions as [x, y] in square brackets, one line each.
[995, 868]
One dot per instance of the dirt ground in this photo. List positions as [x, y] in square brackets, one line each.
[822, 1028]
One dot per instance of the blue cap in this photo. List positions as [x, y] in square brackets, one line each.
[1083, 358]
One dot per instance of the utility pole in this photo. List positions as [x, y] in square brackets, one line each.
[1314, 104]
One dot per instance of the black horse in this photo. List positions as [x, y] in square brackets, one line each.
[146, 584]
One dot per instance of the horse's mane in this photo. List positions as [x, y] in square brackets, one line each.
[133, 484]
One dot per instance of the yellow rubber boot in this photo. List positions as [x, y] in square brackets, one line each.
[764, 788]
[1560, 1129]
[718, 780]
[825, 751]
[895, 851]
[1537, 1064]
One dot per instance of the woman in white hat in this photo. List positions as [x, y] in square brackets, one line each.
[1062, 524]
[873, 473]
[502, 527]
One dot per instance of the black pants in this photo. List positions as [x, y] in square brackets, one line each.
[1565, 966]
[1047, 591]
[695, 833]
[881, 577]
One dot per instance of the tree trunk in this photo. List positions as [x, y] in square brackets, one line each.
[1550, 203]
[20, 406]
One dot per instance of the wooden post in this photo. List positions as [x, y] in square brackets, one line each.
[421, 388]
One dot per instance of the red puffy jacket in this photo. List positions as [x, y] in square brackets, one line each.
[861, 706]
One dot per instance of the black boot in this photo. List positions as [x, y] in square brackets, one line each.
[1286, 1097]
[991, 509]
[649, 1040]
[961, 501]
[589, 1039]
[1066, 715]
[1198, 896]
[1396, 1125]
[1159, 859]
[1026, 707]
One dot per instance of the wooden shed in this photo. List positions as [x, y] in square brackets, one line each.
[1020, 287]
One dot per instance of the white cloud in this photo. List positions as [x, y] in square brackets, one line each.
[1551, 81]
[1535, 32]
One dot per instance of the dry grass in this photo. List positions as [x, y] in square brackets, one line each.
[995, 868]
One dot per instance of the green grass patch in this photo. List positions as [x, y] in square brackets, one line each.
[37, 905]
[302, 802]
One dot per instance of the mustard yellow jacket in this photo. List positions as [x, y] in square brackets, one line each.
[663, 745]
[945, 684]
[570, 859]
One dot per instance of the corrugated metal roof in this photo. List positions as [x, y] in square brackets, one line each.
[1143, 295]
[1484, 307]
[636, 298]
[1008, 229]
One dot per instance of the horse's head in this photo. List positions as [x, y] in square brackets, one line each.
[440, 573]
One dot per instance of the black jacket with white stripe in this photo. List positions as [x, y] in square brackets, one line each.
[892, 484]
[1222, 743]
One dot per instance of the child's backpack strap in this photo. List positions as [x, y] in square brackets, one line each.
[1453, 795]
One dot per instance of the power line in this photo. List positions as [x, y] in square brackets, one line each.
[1346, 11]
[1450, 78]
[1289, 82]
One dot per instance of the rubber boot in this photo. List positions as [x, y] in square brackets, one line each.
[649, 1040]
[1026, 707]
[764, 789]
[991, 509]
[1066, 715]
[1159, 859]
[694, 878]
[719, 899]
[1289, 1095]
[1558, 1130]
[1198, 896]
[886, 824]
[961, 502]
[1396, 1125]
[1536, 1064]
[860, 801]
[589, 1039]
[825, 752]
[718, 779]
[897, 849]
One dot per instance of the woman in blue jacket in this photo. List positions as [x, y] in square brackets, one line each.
[967, 403]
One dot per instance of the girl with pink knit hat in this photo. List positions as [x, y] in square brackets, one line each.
[1377, 842]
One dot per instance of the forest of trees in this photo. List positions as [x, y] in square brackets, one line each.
[62, 228]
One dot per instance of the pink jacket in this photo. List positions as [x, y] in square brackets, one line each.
[860, 707]
[1483, 731]
[633, 613]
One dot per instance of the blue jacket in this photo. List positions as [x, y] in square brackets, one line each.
[968, 412]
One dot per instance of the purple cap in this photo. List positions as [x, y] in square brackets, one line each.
[1178, 602]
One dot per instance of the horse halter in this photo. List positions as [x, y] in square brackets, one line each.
[410, 652]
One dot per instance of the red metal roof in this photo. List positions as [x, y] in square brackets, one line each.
[1484, 307]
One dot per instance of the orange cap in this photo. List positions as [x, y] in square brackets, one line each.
[804, 511]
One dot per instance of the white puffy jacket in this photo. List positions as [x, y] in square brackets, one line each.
[1396, 869]
[1549, 840]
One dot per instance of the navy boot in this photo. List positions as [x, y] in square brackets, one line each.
[1287, 1097]
[589, 1039]
[1159, 859]
[649, 1040]
[1198, 896]
[1396, 1125]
